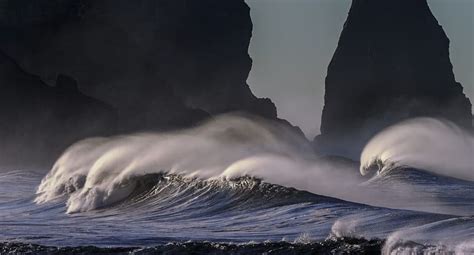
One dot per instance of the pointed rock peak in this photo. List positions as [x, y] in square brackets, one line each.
[392, 63]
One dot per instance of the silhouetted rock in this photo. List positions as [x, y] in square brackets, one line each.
[162, 64]
[392, 63]
[39, 121]
[66, 83]
[159, 62]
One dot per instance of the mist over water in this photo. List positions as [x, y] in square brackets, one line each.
[438, 146]
[101, 171]
[238, 178]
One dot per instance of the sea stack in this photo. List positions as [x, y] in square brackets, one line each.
[160, 63]
[111, 67]
[392, 63]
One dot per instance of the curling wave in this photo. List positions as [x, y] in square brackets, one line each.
[434, 145]
[233, 179]
[101, 171]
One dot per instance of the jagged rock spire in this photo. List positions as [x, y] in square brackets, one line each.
[392, 63]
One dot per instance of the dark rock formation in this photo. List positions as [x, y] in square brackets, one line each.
[392, 63]
[162, 64]
[39, 121]
[159, 62]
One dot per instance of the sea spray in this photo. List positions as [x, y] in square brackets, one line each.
[438, 146]
[98, 172]
[197, 185]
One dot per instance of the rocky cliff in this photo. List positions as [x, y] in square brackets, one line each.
[392, 63]
[38, 121]
[159, 62]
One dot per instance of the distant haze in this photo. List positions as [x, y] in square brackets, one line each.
[294, 40]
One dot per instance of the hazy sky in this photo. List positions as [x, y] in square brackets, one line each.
[294, 41]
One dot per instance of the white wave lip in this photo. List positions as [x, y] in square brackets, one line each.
[98, 172]
[434, 145]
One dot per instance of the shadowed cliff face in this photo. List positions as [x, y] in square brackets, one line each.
[161, 64]
[392, 63]
[38, 121]
[154, 60]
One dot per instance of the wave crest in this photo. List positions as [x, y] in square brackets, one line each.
[98, 172]
[438, 146]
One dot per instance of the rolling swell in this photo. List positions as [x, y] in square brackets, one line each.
[173, 213]
[423, 190]
[175, 196]
[95, 173]
[164, 208]
[224, 185]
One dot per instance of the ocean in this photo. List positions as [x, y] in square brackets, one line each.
[236, 185]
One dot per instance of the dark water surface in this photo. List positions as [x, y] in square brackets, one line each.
[171, 214]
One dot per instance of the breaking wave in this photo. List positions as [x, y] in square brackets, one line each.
[437, 146]
[98, 172]
[242, 179]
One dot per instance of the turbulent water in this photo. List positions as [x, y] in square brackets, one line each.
[241, 185]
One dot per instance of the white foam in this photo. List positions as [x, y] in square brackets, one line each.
[425, 143]
[98, 172]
